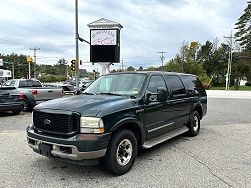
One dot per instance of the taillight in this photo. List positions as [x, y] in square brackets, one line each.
[34, 92]
[21, 97]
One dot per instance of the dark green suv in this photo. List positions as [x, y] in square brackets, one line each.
[116, 115]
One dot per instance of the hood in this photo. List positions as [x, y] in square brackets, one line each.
[86, 105]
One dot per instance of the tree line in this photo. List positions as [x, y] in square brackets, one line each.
[44, 72]
[210, 59]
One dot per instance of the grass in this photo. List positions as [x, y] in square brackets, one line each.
[244, 88]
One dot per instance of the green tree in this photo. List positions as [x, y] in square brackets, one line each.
[140, 69]
[130, 68]
[20, 64]
[243, 27]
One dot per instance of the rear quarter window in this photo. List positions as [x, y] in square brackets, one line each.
[189, 81]
[192, 83]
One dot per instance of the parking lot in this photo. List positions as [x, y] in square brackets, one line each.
[220, 156]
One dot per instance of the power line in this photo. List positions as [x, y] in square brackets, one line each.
[11, 42]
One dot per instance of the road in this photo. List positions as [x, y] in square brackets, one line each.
[220, 156]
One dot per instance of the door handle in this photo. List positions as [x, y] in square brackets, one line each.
[50, 91]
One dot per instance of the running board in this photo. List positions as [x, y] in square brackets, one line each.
[163, 138]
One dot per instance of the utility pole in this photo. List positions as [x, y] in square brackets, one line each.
[77, 38]
[229, 65]
[162, 57]
[35, 59]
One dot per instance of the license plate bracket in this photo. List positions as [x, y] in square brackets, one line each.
[45, 149]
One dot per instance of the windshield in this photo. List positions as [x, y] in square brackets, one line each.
[119, 84]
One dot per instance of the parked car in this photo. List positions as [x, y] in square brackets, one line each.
[11, 100]
[67, 89]
[117, 114]
[35, 88]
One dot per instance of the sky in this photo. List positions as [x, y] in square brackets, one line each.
[149, 26]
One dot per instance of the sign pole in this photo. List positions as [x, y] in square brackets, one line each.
[29, 60]
[77, 50]
[29, 71]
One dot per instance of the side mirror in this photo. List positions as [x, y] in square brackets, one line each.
[161, 94]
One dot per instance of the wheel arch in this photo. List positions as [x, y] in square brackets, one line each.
[133, 125]
[198, 108]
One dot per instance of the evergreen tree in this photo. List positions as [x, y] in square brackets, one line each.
[243, 27]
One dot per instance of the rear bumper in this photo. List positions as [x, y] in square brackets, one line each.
[11, 107]
[76, 148]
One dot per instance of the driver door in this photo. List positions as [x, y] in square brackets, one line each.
[156, 115]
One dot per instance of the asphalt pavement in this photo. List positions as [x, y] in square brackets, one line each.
[220, 156]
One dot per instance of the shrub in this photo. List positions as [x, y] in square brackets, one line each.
[248, 84]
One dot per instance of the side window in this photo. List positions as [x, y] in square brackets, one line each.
[155, 82]
[175, 85]
[7, 83]
[36, 83]
[190, 82]
[12, 83]
[199, 85]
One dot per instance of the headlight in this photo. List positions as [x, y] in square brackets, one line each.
[91, 125]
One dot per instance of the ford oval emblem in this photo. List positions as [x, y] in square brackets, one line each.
[47, 121]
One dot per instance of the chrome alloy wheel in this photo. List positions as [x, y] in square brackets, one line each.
[124, 152]
[195, 123]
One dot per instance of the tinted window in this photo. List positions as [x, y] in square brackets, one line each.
[29, 83]
[190, 82]
[175, 85]
[199, 85]
[155, 82]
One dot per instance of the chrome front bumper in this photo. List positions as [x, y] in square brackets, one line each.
[70, 152]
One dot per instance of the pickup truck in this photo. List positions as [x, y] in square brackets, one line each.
[116, 115]
[35, 88]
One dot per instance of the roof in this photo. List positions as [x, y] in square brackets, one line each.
[103, 22]
[152, 72]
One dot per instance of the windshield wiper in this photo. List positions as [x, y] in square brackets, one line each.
[86, 93]
[109, 93]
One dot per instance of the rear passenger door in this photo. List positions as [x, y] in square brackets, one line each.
[179, 100]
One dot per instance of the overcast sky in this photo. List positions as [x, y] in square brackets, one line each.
[149, 26]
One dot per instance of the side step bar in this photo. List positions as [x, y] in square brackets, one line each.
[163, 138]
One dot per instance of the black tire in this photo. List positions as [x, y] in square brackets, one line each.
[115, 163]
[27, 107]
[16, 112]
[194, 124]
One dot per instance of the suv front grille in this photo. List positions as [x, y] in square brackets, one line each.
[55, 123]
